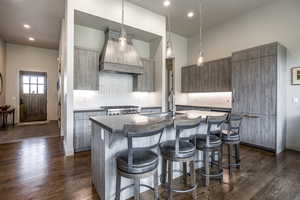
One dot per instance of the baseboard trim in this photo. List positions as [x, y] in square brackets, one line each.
[68, 152]
[259, 147]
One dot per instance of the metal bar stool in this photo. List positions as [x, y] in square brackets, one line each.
[231, 137]
[181, 151]
[211, 145]
[137, 163]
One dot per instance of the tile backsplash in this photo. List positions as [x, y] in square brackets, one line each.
[218, 99]
[114, 89]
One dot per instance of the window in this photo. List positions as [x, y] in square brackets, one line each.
[33, 84]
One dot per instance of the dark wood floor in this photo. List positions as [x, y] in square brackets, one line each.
[18, 133]
[37, 169]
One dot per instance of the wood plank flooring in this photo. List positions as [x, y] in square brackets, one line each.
[37, 169]
[18, 133]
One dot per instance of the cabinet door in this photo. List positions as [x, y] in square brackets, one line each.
[254, 94]
[268, 85]
[259, 131]
[82, 135]
[240, 86]
[145, 82]
[86, 69]
[185, 75]
[212, 76]
[226, 74]
[193, 79]
[83, 130]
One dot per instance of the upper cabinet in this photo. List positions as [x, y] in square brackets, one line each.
[213, 76]
[86, 69]
[145, 82]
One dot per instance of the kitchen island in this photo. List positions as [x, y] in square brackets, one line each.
[108, 139]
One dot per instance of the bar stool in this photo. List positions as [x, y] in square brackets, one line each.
[210, 144]
[181, 151]
[231, 137]
[137, 163]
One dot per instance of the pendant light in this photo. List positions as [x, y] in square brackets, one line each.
[123, 36]
[169, 49]
[200, 60]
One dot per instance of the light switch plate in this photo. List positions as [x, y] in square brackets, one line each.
[295, 100]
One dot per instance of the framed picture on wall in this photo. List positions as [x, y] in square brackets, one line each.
[296, 76]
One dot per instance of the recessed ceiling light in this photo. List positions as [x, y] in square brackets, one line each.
[167, 3]
[27, 26]
[190, 14]
[31, 39]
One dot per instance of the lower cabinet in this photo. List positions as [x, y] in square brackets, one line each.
[83, 129]
[259, 130]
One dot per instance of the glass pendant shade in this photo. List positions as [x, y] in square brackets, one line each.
[123, 38]
[169, 49]
[200, 60]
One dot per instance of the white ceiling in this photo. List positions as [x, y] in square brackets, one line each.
[215, 12]
[45, 16]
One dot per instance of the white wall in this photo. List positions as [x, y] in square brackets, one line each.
[2, 68]
[278, 21]
[180, 53]
[136, 16]
[19, 57]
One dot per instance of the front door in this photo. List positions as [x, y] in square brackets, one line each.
[33, 96]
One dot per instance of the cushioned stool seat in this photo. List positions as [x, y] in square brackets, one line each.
[143, 161]
[186, 149]
[201, 143]
[230, 137]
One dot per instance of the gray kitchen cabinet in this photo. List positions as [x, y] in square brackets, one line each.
[213, 76]
[83, 129]
[185, 73]
[86, 69]
[259, 93]
[145, 82]
[255, 130]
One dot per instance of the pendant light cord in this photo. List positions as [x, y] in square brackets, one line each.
[201, 24]
[123, 33]
[122, 12]
[169, 25]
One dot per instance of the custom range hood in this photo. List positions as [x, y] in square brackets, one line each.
[115, 58]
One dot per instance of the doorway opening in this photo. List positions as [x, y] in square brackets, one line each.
[33, 96]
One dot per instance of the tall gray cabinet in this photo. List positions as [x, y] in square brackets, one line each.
[259, 93]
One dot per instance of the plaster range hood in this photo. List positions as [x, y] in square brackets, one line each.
[115, 59]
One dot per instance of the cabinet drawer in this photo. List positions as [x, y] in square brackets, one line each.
[151, 110]
[86, 115]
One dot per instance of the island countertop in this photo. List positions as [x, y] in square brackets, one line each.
[115, 124]
[108, 140]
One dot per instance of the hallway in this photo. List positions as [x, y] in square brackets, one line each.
[18, 133]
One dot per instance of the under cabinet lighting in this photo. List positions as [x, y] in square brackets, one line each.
[190, 14]
[27, 26]
[31, 39]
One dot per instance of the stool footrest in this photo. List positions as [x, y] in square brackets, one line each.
[193, 187]
[132, 185]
